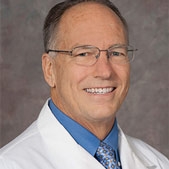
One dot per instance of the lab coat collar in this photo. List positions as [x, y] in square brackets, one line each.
[64, 152]
[62, 149]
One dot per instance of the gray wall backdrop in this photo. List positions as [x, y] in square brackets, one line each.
[23, 91]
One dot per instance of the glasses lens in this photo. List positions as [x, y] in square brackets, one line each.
[120, 54]
[85, 55]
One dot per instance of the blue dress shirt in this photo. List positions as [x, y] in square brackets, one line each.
[83, 136]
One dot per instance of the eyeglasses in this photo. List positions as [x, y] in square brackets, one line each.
[87, 55]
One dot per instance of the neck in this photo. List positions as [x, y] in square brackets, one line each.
[99, 129]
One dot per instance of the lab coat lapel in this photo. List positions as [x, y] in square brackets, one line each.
[62, 150]
[129, 158]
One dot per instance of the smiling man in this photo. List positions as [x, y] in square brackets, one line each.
[89, 89]
[87, 66]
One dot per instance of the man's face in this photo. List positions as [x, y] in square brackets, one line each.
[96, 25]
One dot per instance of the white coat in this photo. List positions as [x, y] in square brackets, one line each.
[47, 145]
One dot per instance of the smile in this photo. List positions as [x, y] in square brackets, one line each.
[100, 90]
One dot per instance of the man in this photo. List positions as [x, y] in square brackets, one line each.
[86, 64]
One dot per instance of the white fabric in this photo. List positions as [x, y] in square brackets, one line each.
[47, 145]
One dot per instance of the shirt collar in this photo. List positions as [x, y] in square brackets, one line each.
[112, 138]
[83, 136]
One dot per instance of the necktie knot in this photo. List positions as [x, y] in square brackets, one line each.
[105, 154]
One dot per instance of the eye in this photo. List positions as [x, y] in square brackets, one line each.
[84, 54]
[116, 53]
[80, 52]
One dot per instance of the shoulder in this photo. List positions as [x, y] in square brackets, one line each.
[141, 152]
[31, 135]
[25, 147]
[22, 140]
[147, 152]
[19, 148]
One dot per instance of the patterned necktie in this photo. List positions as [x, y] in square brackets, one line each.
[106, 156]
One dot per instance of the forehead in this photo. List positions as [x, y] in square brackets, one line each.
[90, 20]
[90, 8]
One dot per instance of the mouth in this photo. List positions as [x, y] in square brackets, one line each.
[100, 90]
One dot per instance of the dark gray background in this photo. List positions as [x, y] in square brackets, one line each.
[23, 91]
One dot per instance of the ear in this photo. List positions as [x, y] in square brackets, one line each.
[48, 69]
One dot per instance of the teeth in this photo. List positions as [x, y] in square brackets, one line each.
[100, 90]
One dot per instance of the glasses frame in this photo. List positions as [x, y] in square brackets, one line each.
[70, 52]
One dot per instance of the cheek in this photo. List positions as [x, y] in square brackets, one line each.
[127, 77]
[69, 77]
[69, 89]
[123, 73]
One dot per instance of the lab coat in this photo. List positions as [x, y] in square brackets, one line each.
[46, 144]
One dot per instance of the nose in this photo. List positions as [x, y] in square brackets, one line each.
[103, 68]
